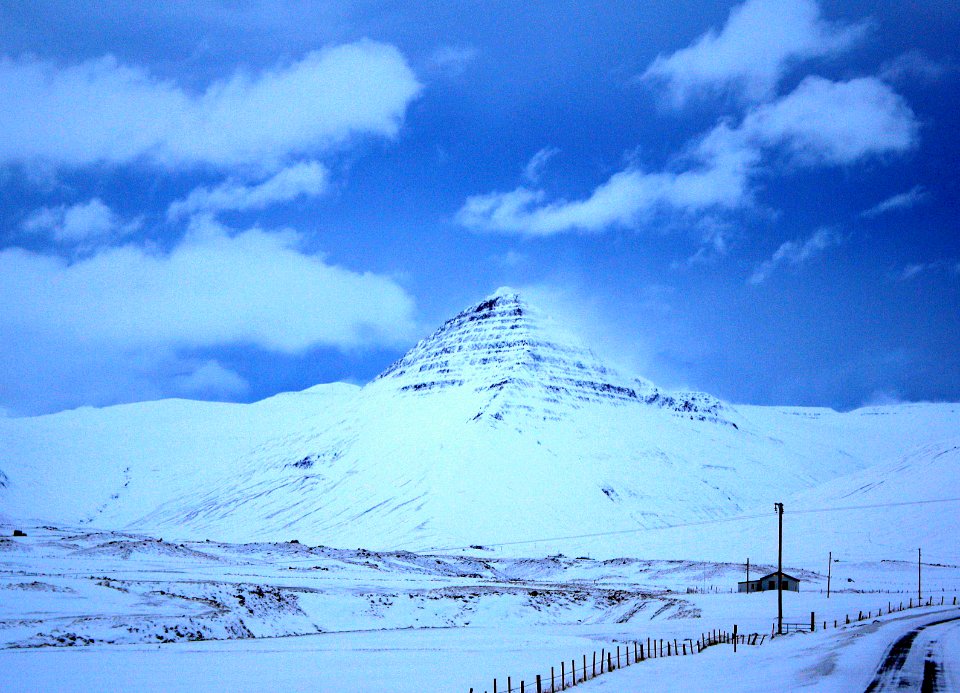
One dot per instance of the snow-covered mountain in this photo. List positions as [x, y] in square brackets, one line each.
[521, 364]
[499, 427]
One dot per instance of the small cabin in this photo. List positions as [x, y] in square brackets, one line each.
[769, 583]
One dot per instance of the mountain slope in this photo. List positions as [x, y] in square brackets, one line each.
[499, 427]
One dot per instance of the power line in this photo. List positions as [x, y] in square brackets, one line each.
[738, 518]
[874, 505]
[601, 534]
[637, 530]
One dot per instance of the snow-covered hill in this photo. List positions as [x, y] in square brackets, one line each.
[499, 427]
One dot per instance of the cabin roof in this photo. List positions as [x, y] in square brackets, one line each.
[769, 575]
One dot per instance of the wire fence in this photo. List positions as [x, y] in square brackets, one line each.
[606, 661]
[588, 667]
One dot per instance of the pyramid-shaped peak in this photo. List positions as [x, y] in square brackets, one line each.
[504, 345]
[508, 356]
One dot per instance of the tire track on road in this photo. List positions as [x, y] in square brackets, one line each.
[890, 676]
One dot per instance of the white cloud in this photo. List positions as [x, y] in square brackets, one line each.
[255, 287]
[210, 378]
[44, 220]
[826, 122]
[913, 66]
[619, 335]
[510, 259]
[759, 42]
[914, 196]
[795, 253]
[819, 123]
[716, 177]
[535, 166]
[105, 325]
[617, 202]
[716, 237]
[883, 398]
[914, 270]
[453, 60]
[306, 179]
[85, 223]
[102, 111]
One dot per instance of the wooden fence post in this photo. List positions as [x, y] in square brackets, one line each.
[553, 686]
[595, 664]
[539, 685]
[584, 667]
[563, 676]
[618, 656]
[642, 657]
[609, 662]
[734, 637]
[494, 686]
[509, 685]
[813, 623]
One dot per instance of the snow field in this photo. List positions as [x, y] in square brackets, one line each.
[82, 611]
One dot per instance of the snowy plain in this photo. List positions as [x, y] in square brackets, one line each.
[109, 611]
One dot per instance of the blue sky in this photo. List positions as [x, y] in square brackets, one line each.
[226, 200]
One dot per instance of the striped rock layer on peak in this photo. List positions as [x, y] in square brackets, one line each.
[522, 360]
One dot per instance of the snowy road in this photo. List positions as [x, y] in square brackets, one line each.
[925, 659]
[846, 659]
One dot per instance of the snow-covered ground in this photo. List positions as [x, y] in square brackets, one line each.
[101, 610]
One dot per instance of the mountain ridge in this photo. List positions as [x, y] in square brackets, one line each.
[525, 433]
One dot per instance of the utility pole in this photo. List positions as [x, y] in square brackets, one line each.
[748, 575]
[829, 572]
[919, 583]
[778, 507]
